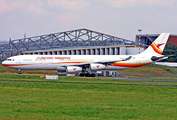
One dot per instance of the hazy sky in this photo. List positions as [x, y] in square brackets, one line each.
[121, 18]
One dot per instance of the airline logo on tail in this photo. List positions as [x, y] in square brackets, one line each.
[156, 48]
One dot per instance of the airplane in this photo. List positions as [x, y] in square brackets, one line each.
[87, 64]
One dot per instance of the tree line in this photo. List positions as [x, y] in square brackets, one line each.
[170, 49]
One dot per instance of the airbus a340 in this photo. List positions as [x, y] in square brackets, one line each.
[86, 64]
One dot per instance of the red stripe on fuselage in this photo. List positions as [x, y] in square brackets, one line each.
[8, 65]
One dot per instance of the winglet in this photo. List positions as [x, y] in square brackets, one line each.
[127, 58]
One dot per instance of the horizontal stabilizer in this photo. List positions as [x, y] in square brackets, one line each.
[154, 58]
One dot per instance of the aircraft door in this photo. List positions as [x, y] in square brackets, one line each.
[50, 64]
[137, 59]
[50, 61]
[18, 61]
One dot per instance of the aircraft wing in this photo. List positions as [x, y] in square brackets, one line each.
[99, 62]
[114, 61]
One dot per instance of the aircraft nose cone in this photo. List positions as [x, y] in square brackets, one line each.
[3, 63]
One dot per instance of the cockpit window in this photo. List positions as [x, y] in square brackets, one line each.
[10, 60]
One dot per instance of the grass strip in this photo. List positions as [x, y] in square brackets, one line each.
[20, 100]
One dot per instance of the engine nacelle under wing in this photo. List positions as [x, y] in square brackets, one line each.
[74, 69]
[61, 69]
[97, 66]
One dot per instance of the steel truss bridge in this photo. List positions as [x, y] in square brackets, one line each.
[70, 39]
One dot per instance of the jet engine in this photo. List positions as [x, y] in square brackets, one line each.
[61, 69]
[97, 66]
[74, 69]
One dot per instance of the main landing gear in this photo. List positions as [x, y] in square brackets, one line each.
[87, 75]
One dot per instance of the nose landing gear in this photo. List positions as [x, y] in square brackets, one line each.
[19, 71]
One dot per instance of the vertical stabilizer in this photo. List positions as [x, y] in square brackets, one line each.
[157, 47]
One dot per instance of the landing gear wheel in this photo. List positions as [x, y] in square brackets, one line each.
[82, 74]
[87, 75]
[93, 75]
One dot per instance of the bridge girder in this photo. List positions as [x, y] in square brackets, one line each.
[68, 39]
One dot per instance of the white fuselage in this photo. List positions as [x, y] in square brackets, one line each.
[58, 62]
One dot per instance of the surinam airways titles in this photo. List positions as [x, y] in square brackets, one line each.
[51, 58]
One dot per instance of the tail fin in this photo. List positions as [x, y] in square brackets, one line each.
[157, 47]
